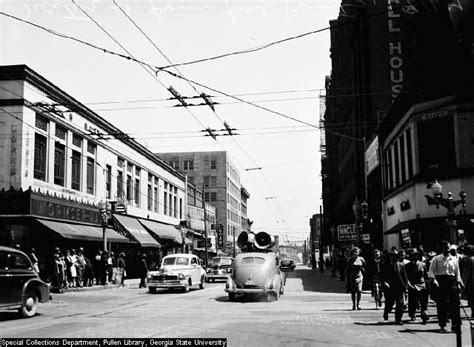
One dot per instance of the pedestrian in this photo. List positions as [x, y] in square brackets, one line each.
[104, 267]
[34, 260]
[122, 265]
[80, 266]
[395, 284]
[374, 269]
[111, 264]
[142, 270]
[88, 276]
[72, 258]
[466, 267]
[446, 276]
[97, 266]
[63, 271]
[417, 275]
[355, 275]
[56, 279]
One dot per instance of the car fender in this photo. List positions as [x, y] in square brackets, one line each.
[38, 286]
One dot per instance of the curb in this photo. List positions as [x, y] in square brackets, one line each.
[98, 287]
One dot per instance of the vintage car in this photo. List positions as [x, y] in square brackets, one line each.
[287, 265]
[256, 273]
[219, 269]
[20, 285]
[177, 271]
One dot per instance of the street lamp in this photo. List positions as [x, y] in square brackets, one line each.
[103, 218]
[356, 209]
[449, 203]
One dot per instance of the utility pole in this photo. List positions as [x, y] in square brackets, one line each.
[321, 245]
[206, 257]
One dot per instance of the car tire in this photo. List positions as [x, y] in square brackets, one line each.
[202, 285]
[152, 290]
[29, 307]
[231, 296]
[186, 288]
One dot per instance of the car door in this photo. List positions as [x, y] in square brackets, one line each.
[5, 291]
[21, 271]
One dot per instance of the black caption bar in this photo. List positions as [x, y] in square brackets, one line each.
[117, 342]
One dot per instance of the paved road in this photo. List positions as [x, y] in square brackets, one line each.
[313, 311]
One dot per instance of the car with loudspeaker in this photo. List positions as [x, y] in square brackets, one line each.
[177, 271]
[20, 285]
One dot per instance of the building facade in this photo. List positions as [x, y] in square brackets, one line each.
[60, 160]
[218, 177]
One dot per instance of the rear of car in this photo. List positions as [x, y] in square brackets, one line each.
[20, 285]
[255, 273]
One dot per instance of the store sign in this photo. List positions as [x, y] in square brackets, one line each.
[47, 207]
[371, 156]
[366, 238]
[346, 232]
[406, 240]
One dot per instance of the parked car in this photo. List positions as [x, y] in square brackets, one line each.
[20, 285]
[287, 265]
[219, 269]
[256, 273]
[177, 271]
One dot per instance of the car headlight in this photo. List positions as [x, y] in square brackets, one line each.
[181, 276]
[208, 270]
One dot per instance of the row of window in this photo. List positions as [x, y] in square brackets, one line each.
[398, 161]
[233, 188]
[60, 141]
[210, 181]
[233, 202]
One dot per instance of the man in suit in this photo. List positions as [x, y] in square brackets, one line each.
[417, 294]
[395, 283]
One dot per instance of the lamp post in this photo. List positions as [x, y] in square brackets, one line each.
[103, 218]
[450, 204]
[356, 209]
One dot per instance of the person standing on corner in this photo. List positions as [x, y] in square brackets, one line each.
[142, 270]
[121, 264]
[355, 275]
[444, 270]
[394, 279]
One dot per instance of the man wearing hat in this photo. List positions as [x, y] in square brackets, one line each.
[444, 270]
[394, 279]
[417, 293]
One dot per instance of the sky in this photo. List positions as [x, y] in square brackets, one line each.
[286, 78]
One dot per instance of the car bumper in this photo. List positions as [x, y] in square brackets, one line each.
[220, 277]
[167, 284]
[251, 290]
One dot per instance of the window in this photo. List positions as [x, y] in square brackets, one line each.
[129, 188]
[41, 122]
[175, 209]
[59, 163]
[60, 132]
[91, 147]
[155, 202]
[19, 262]
[76, 170]
[188, 165]
[137, 171]
[119, 183]
[206, 181]
[180, 208]
[90, 176]
[403, 158]
[108, 182]
[396, 165]
[409, 155]
[137, 192]
[150, 178]
[174, 164]
[129, 167]
[170, 197]
[213, 164]
[150, 197]
[165, 202]
[77, 140]
[40, 157]
[213, 181]
[120, 162]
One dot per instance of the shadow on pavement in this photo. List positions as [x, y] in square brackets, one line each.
[315, 281]
[243, 298]
[13, 315]
[436, 331]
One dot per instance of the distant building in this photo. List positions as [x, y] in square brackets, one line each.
[218, 177]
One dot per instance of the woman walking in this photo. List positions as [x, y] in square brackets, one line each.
[355, 275]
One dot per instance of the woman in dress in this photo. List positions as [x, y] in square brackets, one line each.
[355, 275]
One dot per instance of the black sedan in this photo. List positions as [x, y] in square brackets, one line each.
[287, 265]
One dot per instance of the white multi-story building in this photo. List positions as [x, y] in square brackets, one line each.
[59, 159]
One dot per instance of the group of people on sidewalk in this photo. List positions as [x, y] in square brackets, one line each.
[407, 279]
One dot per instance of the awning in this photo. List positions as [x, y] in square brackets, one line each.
[187, 241]
[163, 231]
[83, 232]
[136, 230]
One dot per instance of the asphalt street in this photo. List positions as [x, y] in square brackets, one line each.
[314, 311]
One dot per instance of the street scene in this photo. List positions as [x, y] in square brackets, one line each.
[241, 173]
[315, 310]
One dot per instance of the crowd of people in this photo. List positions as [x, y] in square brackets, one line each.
[408, 278]
[71, 268]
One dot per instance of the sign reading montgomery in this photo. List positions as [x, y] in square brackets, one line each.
[346, 232]
[57, 208]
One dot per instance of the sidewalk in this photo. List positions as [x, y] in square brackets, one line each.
[128, 283]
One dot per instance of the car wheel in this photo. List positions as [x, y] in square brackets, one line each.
[29, 307]
[231, 296]
[202, 285]
[152, 290]
[186, 288]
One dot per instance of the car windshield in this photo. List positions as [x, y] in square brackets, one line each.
[222, 261]
[176, 261]
[286, 261]
[253, 260]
